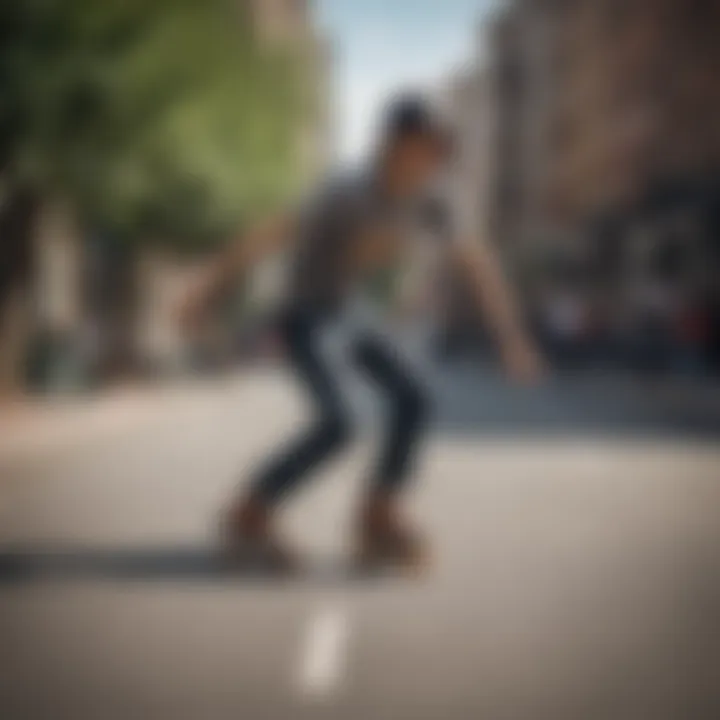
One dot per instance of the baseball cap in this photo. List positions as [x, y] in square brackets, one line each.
[413, 115]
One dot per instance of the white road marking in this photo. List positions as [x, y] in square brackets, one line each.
[322, 661]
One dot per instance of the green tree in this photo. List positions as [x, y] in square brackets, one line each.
[163, 114]
[160, 119]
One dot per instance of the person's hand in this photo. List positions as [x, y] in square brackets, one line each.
[523, 362]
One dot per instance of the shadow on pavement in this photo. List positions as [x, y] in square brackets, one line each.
[166, 564]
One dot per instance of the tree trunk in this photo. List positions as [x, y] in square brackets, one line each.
[112, 299]
[17, 220]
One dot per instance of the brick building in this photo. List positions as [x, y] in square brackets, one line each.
[292, 23]
[603, 110]
[635, 132]
[520, 94]
[636, 100]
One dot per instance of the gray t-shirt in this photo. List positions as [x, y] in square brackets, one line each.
[346, 213]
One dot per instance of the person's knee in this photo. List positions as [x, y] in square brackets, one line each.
[337, 430]
[413, 405]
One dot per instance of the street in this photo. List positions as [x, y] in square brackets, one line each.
[576, 532]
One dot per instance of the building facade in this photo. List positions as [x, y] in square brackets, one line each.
[290, 23]
[520, 41]
[636, 104]
[601, 108]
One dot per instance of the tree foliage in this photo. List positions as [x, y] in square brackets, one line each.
[159, 119]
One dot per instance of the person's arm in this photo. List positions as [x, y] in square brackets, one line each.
[259, 242]
[480, 266]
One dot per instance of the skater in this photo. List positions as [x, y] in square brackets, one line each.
[353, 229]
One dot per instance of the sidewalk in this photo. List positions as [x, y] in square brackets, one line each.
[36, 425]
[43, 425]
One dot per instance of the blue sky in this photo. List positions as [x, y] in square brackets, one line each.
[383, 45]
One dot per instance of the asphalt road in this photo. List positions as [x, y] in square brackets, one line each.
[577, 567]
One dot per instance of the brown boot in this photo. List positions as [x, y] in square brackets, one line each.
[384, 540]
[249, 537]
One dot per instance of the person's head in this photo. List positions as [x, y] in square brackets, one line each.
[416, 146]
